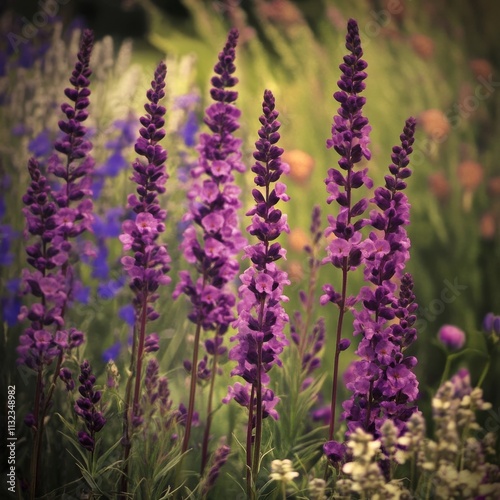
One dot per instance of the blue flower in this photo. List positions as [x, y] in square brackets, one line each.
[82, 294]
[41, 145]
[112, 353]
[127, 313]
[100, 266]
[6, 236]
[110, 225]
[190, 129]
[111, 288]
[19, 130]
[114, 164]
[11, 306]
[3, 63]
[2, 208]
[97, 186]
[128, 132]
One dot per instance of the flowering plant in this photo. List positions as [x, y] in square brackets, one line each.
[144, 429]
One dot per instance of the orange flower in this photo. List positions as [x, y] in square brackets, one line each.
[301, 164]
[298, 239]
[470, 175]
[488, 226]
[434, 123]
[494, 186]
[439, 185]
[422, 45]
[481, 67]
[295, 271]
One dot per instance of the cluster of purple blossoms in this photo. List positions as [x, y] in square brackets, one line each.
[53, 221]
[382, 381]
[77, 168]
[156, 402]
[214, 199]
[220, 458]
[261, 317]
[148, 267]
[350, 137]
[86, 407]
[213, 238]
[150, 262]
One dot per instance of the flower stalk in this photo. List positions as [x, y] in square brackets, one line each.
[148, 267]
[212, 238]
[261, 318]
[52, 220]
[350, 137]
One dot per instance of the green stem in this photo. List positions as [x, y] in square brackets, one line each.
[447, 366]
[485, 371]
[309, 305]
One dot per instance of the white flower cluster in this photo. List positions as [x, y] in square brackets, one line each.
[317, 489]
[454, 464]
[365, 475]
[282, 471]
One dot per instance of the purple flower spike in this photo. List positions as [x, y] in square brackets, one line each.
[87, 407]
[220, 458]
[53, 217]
[350, 138]
[77, 168]
[491, 326]
[451, 337]
[212, 238]
[261, 316]
[382, 382]
[149, 263]
[335, 452]
[260, 338]
[148, 267]
[67, 377]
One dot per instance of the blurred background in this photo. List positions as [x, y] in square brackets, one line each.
[437, 61]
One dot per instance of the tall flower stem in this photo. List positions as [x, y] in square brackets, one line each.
[140, 352]
[53, 221]
[260, 338]
[250, 480]
[309, 305]
[192, 388]
[131, 410]
[37, 444]
[336, 359]
[350, 136]
[212, 238]
[208, 424]
[258, 414]
[150, 262]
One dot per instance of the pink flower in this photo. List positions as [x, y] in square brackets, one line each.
[451, 337]
[146, 223]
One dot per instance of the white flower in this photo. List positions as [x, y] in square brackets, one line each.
[282, 470]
